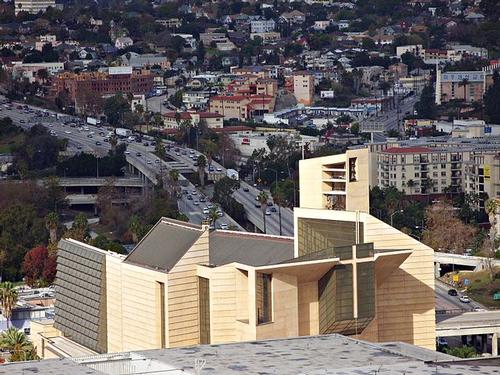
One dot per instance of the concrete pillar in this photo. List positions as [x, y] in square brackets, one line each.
[484, 343]
[474, 341]
[464, 340]
[437, 266]
[494, 344]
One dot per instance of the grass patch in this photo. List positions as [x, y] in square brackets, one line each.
[481, 288]
[8, 143]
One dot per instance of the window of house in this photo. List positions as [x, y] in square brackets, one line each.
[264, 298]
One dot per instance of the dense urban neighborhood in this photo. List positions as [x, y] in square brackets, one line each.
[181, 180]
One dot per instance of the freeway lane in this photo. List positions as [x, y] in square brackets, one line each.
[79, 139]
[247, 199]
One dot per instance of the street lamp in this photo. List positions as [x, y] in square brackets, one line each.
[276, 174]
[394, 213]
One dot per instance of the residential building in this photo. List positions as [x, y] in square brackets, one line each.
[197, 100]
[303, 87]
[267, 37]
[241, 107]
[32, 6]
[123, 42]
[31, 71]
[294, 17]
[117, 79]
[146, 60]
[415, 49]
[172, 120]
[463, 85]
[262, 26]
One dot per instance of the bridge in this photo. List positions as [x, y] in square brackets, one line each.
[475, 263]
[133, 182]
[471, 324]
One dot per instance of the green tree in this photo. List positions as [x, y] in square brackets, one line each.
[52, 224]
[115, 107]
[136, 228]
[279, 198]
[56, 198]
[491, 107]
[160, 149]
[80, 229]
[8, 299]
[426, 106]
[263, 199]
[213, 216]
[202, 163]
[462, 352]
[18, 345]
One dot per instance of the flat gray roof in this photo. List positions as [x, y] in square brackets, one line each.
[316, 355]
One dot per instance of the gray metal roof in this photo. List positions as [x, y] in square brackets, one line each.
[250, 249]
[165, 244]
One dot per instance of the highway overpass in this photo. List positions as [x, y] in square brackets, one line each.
[471, 262]
[473, 324]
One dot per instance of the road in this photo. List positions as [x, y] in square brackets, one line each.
[452, 303]
[246, 198]
[387, 121]
[87, 138]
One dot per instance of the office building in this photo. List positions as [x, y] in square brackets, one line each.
[32, 6]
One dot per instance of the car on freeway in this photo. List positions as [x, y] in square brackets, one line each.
[138, 154]
[258, 205]
[206, 210]
[223, 226]
[453, 292]
[268, 212]
[219, 169]
[127, 152]
[269, 204]
[157, 161]
[196, 203]
[189, 198]
[98, 143]
[245, 189]
[210, 206]
[256, 197]
[22, 121]
[478, 309]
[194, 192]
[465, 299]
[67, 132]
[203, 199]
[146, 144]
[211, 169]
[78, 147]
[89, 136]
[149, 162]
[273, 209]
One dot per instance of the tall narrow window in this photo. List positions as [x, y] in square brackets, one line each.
[161, 313]
[204, 309]
[264, 298]
[352, 170]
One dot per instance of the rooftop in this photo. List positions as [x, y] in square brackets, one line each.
[328, 354]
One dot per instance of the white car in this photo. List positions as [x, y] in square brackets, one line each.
[268, 212]
[196, 203]
[149, 162]
[219, 169]
[223, 226]
[205, 210]
[67, 132]
[465, 299]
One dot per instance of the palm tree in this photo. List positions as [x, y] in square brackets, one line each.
[464, 83]
[16, 343]
[8, 299]
[135, 228]
[113, 141]
[52, 223]
[213, 215]
[410, 184]
[279, 200]
[263, 198]
[491, 208]
[173, 174]
[202, 163]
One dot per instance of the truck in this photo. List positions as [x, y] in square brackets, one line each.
[232, 174]
[122, 132]
[93, 121]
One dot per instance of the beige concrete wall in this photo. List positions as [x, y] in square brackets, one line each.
[40, 330]
[312, 184]
[132, 294]
[183, 315]
[285, 309]
[405, 300]
[308, 309]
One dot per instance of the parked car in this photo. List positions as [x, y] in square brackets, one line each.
[465, 299]
[452, 292]
[441, 342]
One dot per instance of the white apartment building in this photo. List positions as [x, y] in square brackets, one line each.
[262, 26]
[32, 6]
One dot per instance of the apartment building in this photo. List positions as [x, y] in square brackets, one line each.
[420, 170]
[262, 26]
[172, 120]
[32, 6]
[117, 79]
[466, 85]
[303, 87]
[482, 175]
[241, 107]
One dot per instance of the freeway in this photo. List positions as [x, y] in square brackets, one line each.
[246, 196]
[87, 138]
[445, 302]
